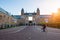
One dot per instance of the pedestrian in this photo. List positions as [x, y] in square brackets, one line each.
[44, 27]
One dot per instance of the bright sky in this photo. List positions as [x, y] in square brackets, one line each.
[15, 6]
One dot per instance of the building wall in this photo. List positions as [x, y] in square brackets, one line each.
[6, 19]
[36, 18]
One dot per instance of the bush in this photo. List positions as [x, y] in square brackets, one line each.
[54, 25]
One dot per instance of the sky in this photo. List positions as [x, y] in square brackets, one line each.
[14, 6]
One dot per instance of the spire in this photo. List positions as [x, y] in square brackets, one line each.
[38, 11]
[22, 11]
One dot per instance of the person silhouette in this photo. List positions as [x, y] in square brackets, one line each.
[44, 27]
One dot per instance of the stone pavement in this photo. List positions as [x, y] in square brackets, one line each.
[29, 33]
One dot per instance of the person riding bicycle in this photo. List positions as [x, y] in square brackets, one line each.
[44, 27]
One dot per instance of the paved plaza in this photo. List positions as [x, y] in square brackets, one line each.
[29, 33]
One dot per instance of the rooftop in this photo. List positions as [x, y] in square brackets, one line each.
[3, 11]
[29, 14]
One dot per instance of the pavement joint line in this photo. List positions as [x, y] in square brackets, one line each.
[53, 33]
[17, 30]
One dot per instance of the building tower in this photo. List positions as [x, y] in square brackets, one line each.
[38, 11]
[22, 11]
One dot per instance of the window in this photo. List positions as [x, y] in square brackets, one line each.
[30, 18]
[0, 16]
